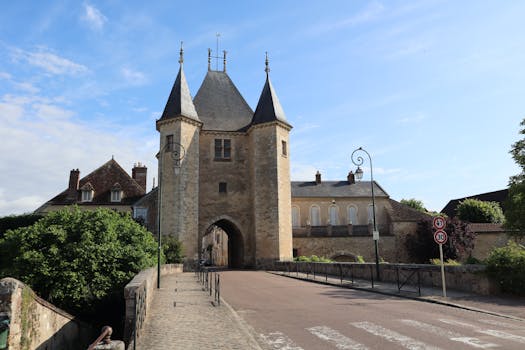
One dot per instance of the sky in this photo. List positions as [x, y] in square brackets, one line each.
[433, 90]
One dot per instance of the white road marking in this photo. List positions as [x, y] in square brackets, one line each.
[502, 324]
[492, 332]
[392, 336]
[279, 341]
[340, 341]
[445, 333]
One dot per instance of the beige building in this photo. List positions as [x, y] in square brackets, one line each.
[222, 165]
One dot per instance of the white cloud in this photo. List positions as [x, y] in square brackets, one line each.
[28, 87]
[412, 119]
[133, 77]
[373, 11]
[42, 140]
[94, 17]
[49, 62]
[4, 75]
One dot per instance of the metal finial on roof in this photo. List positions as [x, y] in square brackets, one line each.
[181, 59]
[209, 59]
[267, 69]
[224, 61]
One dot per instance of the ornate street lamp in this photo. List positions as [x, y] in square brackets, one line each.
[358, 160]
[177, 152]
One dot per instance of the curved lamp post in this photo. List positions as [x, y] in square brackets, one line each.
[177, 152]
[358, 160]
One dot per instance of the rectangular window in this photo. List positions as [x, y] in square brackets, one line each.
[87, 196]
[116, 196]
[141, 213]
[223, 149]
[223, 187]
[169, 143]
[285, 151]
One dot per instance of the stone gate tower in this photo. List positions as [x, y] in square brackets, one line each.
[235, 173]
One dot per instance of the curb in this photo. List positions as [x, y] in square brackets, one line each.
[423, 299]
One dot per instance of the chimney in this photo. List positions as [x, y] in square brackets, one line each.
[318, 177]
[72, 189]
[351, 178]
[139, 173]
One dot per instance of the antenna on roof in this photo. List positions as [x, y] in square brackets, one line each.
[224, 61]
[209, 59]
[181, 58]
[218, 35]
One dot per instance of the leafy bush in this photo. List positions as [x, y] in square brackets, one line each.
[474, 210]
[448, 262]
[473, 261]
[172, 249]
[78, 260]
[313, 258]
[12, 222]
[415, 204]
[507, 266]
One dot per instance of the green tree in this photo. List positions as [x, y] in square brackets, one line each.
[515, 204]
[506, 265]
[474, 210]
[12, 222]
[414, 203]
[421, 247]
[78, 260]
[172, 249]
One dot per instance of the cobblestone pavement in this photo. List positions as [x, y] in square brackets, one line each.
[194, 323]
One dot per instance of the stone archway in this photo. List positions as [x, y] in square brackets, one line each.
[232, 245]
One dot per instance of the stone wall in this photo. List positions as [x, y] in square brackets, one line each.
[468, 278]
[146, 279]
[37, 324]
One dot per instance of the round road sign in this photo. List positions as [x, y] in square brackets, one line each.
[440, 237]
[439, 222]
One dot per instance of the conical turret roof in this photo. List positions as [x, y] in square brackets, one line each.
[180, 101]
[268, 108]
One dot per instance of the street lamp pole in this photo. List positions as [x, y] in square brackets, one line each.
[177, 154]
[358, 160]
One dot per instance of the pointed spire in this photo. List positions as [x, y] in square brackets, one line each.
[180, 102]
[267, 68]
[224, 61]
[181, 57]
[268, 108]
[209, 59]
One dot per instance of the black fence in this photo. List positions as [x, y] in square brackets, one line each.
[210, 279]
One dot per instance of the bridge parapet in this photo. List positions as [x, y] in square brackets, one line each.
[35, 323]
[138, 294]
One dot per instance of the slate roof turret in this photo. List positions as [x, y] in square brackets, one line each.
[180, 102]
[268, 108]
[220, 105]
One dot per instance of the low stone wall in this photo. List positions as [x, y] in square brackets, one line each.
[37, 324]
[467, 278]
[147, 280]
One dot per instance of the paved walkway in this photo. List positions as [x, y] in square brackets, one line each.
[194, 323]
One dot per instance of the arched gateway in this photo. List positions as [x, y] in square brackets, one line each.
[223, 245]
[230, 162]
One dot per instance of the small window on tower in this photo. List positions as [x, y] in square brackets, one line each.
[169, 143]
[223, 187]
[285, 151]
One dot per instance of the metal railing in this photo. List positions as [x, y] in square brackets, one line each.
[406, 278]
[211, 282]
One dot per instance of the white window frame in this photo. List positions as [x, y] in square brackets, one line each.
[315, 220]
[352, 220]
[140, 212]
[116, 196]
[333, 215]
[87, 195]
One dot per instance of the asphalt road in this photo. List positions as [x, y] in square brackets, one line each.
[289, 314]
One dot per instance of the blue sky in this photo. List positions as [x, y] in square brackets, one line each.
[432, 89]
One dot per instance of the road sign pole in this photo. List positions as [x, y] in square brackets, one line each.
[442, 271]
